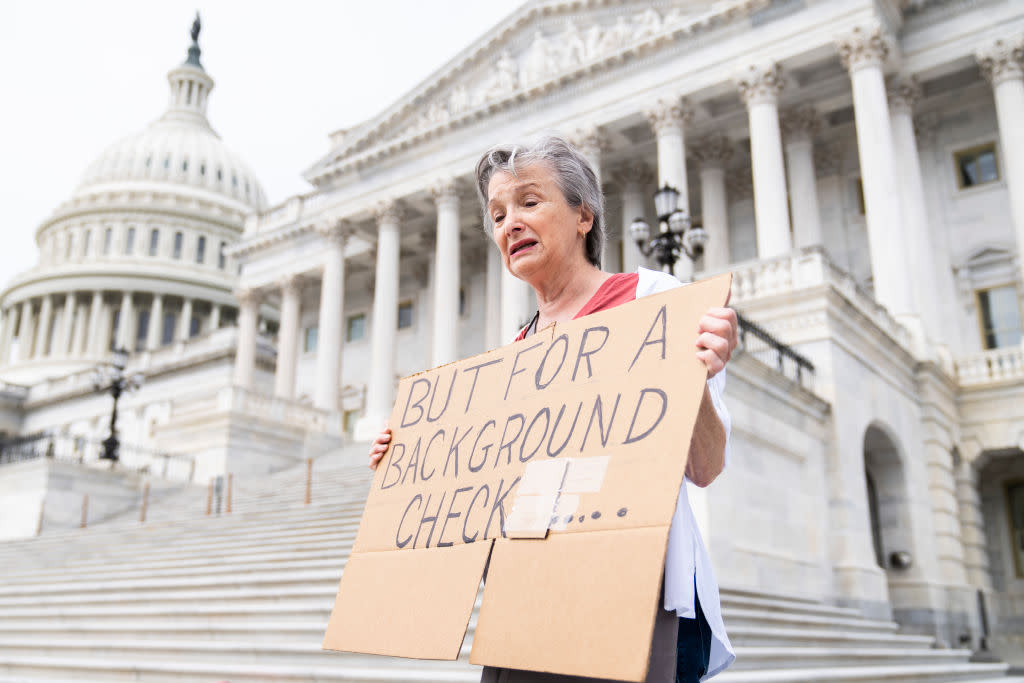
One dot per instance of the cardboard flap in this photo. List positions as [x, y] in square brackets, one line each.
[606, 587]
[414, 603]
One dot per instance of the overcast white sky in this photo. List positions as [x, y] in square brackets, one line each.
[76, 76]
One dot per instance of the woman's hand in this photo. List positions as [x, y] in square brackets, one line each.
[717, 337]
[380, 447]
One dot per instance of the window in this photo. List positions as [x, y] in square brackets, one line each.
[1015, 519]
[141, 330]
[976, 166]
[999, 317]
[310, 338]
[69, 246]
[220, 175]
[178, 240]
[129, 241]
[404, 315]
[193, 326]
[86, 242]
[200, 249]
[462, 302]
[184, 166]
[108, 239]
[113, 329]
[202, 169]
[167, 330]
[355, 327]
[167, 163]
[222, 257]
[154, 241]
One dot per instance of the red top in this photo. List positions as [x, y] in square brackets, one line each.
[615, 291]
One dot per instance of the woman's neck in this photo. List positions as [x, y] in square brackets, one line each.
[561, 297]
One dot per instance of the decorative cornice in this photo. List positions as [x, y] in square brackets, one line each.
[1002, 60]
[760, 83]
[669, 116]
[448, 100]
[864, 46]
[904, 93]
[714, 151]
[800, 124]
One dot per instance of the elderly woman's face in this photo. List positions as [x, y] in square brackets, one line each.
[534, 227]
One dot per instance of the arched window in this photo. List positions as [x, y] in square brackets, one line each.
[154, 241]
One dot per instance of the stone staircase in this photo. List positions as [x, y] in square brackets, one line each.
[245, 597]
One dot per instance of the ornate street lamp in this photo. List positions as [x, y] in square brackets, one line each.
[112, 378]
[676, 235]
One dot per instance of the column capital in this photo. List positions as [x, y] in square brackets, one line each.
[904, 93]
[828, 160]
[669, 115]
[248, 296]
[864, 46]
[290, 283]
[334, 231]
[388, 211]
[1002, 60]
[800, 124]
[633, 173]
[445, 190]
[714, 151]
[760, 83]
[589, 138]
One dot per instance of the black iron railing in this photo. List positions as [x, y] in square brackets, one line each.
[81, 449]
[757, 341]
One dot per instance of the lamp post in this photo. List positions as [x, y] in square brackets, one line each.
[112, 378]
[676, 235]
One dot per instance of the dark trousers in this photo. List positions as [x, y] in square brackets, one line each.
[693, 646]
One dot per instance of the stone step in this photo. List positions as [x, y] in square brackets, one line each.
[762, 658]
[779, 618]
[771, 636]
[737, 599]
[937, 673]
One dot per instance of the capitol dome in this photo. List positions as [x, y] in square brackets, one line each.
[180, 148]
[138, 257]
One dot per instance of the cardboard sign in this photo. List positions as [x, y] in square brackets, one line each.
[557, 459]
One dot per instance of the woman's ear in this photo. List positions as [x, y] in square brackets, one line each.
[585, 221]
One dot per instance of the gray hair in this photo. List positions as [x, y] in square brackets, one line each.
[573, 174]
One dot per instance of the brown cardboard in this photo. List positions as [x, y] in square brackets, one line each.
[579, 597]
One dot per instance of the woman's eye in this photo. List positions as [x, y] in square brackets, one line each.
[499, 218]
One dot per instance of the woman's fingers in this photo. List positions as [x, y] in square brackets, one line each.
[717, 337]
[379, 447]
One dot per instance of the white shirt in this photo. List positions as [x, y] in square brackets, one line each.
[687, 560]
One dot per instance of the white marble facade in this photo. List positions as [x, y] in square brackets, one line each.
[857, 165]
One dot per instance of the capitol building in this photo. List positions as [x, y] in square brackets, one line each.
[858, 165]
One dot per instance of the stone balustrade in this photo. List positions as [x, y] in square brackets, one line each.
[991, 367]
[804, 269]
[279, 410]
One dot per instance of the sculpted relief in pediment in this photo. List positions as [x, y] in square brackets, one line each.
[547, 55]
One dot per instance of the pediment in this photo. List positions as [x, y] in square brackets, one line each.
[541, 47]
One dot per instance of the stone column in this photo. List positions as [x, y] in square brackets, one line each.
[668, 119]
[1002, 62]
[759, 87]
[96, 347]
[863, 52]
[800, 126]
[43, 327]
[380, 390]
[185, 322]
[61, 345]
[214, 322]
[248, 319]
[446, 274]
[515, 305]
[10, 327]
[288, 337]
[713, 154]
[80, 337]
[124, 323]
[492, 306]
[633, 179]
[155, 333]
[331, 318]
[924, 284]
[26, 332]
[590, 143]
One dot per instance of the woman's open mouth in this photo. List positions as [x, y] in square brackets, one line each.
[520, 246]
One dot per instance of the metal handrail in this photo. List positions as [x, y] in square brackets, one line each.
[58, 446]
[782, 350]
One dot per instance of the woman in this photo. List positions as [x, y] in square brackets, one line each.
[544, 207]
